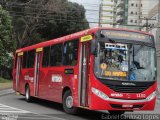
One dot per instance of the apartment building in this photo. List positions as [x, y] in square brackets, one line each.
[107, 13]
[133, 13]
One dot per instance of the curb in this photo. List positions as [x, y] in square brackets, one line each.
[6, 92]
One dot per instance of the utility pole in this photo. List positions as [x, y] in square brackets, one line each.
[147, 25]
[139, 13]
[100, 12]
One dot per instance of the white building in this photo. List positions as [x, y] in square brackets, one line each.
[154, 24]
[132, 13]
[107, 13]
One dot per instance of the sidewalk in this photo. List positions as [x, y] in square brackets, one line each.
[6, 92]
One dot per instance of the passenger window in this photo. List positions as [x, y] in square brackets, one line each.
[31, 57]
[56, 55]
[25, 60]
[70, 53]
[46, 52]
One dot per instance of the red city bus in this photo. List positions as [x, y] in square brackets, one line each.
[96, 69]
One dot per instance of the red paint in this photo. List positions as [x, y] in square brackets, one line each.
[53, 90]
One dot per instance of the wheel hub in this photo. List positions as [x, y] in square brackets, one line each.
[69, 101]
[27, 94]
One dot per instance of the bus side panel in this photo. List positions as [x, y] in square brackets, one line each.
[71, 81]
[14, 78]
[14, 72]
[75, 82]
[55, 77]
[27, 77]
[43, 83]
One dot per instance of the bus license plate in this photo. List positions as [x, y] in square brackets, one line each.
[127, 106]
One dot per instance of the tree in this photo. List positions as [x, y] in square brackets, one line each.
[38, 20]
[71, 19]
[7, 44]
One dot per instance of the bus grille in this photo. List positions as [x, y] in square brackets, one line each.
[120, 106]
[128, 89]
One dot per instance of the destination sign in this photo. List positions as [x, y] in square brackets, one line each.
[116, 34]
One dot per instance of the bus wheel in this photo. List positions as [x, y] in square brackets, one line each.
[27, 94]
[68, 103]
[116, 112]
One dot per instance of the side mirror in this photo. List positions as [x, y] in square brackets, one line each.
[93, 47]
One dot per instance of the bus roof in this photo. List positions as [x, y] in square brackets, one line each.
[74, 36]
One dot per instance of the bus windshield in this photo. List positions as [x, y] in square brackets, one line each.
[117, 61]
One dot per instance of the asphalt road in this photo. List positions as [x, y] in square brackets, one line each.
[13, 107]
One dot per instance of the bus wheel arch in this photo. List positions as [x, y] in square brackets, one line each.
[67, 101]
[64, 90]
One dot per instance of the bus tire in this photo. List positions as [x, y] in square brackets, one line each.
[116, 112]
[27, 94]
[68, 103]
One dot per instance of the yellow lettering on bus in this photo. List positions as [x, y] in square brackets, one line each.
[116, 74]
[39, 49]
[108, 73]
[121, 74]
[20, 54]
[86, 38]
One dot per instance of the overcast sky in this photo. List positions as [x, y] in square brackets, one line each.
[92, 10]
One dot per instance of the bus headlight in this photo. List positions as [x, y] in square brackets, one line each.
[100, 94]
[151, 96]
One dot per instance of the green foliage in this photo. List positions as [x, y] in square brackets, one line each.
[71, 20]
[35, 21]
[38, 20]
[2, 80]
[7, 44]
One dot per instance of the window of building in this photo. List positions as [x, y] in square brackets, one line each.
[131, 12]
[24, 65]
[70, 53]
[136, 5]
[136, 13]
[135, 21]
[56, 55]
[140, 21]
[131, 21]
[46, 51]
[31, 57]
[141, 5]
[132, 4]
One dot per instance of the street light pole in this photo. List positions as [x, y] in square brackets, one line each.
[100, 10]
[147, 25]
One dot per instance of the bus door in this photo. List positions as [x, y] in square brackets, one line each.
[37, 70]
[18, 70]
[84, 74]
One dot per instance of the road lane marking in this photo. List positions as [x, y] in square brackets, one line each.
[9, 110]
[38, 118]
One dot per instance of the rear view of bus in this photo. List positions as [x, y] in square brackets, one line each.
[124, 71]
